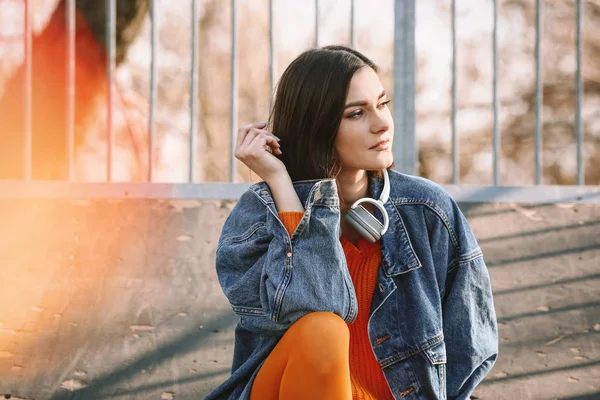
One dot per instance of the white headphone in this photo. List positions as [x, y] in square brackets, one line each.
[365, 222]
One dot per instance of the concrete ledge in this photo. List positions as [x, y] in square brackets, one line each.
[119, 299]
[544, 194]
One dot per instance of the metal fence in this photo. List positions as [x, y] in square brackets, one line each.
[405, 145]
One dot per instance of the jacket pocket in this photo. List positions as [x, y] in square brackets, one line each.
[419, 373]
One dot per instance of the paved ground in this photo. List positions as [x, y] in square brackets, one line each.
[119, 299]
[545, 267]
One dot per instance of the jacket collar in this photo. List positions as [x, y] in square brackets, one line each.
[310, 192]
[397, 253]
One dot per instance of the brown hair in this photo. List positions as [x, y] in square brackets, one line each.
[308, 109]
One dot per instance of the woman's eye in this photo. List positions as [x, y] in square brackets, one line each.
[385, 103]
[355, 115]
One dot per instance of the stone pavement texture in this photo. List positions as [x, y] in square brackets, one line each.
[119, 299]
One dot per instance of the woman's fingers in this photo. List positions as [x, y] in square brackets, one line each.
[244, 130]
[252, 148]
[263, 141]
[255, 141]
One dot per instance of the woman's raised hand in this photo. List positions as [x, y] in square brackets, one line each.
[257, 148]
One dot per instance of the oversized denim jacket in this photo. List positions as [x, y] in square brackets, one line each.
[432, 325]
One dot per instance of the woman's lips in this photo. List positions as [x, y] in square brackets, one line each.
[381, 146]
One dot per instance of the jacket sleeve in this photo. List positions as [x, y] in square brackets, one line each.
[469, 328]
[271, 279]
[469, 318]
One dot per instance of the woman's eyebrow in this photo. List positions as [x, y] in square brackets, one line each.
[362, 102]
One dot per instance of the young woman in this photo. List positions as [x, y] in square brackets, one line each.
[326, 310]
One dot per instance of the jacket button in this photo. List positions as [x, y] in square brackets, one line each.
[382, 339]
[289, 254]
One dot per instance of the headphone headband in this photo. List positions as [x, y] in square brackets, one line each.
[385, 193]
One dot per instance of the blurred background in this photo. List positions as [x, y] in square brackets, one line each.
[110, 290]
[294, 32]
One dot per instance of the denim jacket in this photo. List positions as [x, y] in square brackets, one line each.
[432, 324]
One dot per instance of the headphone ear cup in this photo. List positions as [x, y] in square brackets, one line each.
[360, 228]
[365, 223]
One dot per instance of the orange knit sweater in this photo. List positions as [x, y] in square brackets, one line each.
[366, 376]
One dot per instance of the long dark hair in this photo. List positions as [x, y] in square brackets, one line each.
[308, 109]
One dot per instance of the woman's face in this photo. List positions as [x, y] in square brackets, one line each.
[364, 139]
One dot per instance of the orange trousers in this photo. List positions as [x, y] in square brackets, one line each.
[310, 361]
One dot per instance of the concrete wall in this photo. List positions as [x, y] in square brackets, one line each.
[119, 299]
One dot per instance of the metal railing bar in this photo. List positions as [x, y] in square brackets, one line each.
[70, 17]
[153, 84]
[405, 145]
[316, 39]
[193, 94]
[234, 90]
[539, 94]
[110, 73]
[455, 144]
[579, 92]
[352, 24]
[272, 61]
[27, 88]
[495, 102]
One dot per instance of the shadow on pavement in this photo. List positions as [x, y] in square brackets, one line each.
[590, 396]
[190, 341]
[542, 372]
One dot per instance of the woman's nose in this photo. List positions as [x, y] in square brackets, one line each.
[381, 123]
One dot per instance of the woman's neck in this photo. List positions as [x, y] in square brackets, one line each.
[353, 185]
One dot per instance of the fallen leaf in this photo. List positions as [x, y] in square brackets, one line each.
[531, 214]
[179, 205]
[543, 308]
[184, 238]
[501, 374]
[556, 340]
[540, 354]
[565, 205]
[597, 327]
[167, 396]
[574, 350]
[572, 379]
[73, 385]
[137, 328]
[581, 358]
